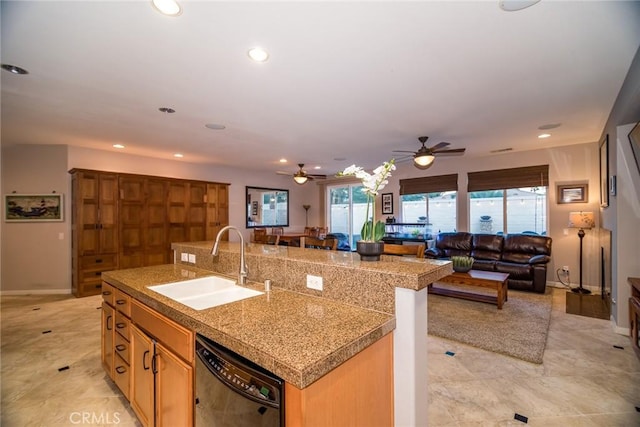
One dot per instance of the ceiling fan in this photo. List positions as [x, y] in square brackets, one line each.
[423, 158]
[301, 176]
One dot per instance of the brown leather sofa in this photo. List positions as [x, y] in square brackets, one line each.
[523, 256]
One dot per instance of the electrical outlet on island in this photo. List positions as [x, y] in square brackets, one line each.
[314, 282]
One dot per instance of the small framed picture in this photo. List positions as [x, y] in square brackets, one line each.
[387, 204]
[33, 208]
[574, 193]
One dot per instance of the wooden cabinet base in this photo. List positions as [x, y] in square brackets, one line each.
[357, 393]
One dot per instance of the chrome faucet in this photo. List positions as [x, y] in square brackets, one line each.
[242, 276]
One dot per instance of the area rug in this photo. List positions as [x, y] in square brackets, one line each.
[518, 330]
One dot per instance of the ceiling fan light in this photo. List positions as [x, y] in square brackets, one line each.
[423, 160]
[167, 7]
[300, 179]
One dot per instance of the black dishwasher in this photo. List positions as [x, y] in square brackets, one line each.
[232, 391]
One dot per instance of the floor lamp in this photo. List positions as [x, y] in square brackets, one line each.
[581, 220]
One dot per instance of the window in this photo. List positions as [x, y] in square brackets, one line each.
[438, 209]
[430, 199]
[347, 210]
[509, 201]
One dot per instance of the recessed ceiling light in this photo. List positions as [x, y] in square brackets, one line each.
[283, 160]
[317, 167]
[118, 146]
[550, 126]
[215, 126]
[167, 110]
[258, 54]
[167, 7]
[14, 69]
[178, 155]
[544, 135]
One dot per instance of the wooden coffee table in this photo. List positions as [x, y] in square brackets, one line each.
[483, 279]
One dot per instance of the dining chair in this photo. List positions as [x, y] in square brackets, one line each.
[277, 230]
[413, 250]
[314, 243]
[259, 235]
[272, 239]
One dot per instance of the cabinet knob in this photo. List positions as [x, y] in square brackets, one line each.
[121, 369]
[120, 302]
[120, 325]
[121, 347]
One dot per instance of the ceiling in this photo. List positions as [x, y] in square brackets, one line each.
[345, 82]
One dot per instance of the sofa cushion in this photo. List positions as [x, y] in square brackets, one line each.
[454, 244]
[487, 247]
[520, 248]
[516, 271]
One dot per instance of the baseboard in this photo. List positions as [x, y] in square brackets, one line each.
[36, 292]
[620, 330]
[595, 290]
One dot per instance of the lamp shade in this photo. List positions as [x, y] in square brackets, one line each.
[581, 220]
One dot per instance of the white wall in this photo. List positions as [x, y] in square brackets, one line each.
[625, 211]
[36, 256]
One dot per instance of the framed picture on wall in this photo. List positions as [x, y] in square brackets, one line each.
[33, 208]
[604, 172]
[387, 204]
[576, 193]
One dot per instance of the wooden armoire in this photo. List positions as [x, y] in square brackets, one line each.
[124, 221]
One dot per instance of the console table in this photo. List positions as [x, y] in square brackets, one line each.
[634, 313]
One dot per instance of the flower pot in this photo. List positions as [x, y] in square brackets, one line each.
[369, 251]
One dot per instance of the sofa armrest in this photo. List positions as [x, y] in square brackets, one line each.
[434, 253]
[539, 259]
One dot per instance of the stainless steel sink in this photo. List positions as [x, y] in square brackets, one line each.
[205, 292]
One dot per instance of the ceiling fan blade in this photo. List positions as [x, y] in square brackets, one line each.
[445, 152]
[283, 173]
[402, 151]
[439, 146]
[316, 176]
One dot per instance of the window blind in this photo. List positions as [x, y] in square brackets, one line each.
[530, 176]
[429, 184]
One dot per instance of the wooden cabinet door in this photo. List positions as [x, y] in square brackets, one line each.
[157, 247]
[108, 212]
[177, 204]
[217, 209]
[174, 390]
[132, 224]
[142, 377]
[107, 338]
[86, 189]
[197, 212]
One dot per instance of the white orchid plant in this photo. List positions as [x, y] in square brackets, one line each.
[372, 231]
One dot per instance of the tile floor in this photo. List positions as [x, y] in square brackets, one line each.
[584, 380]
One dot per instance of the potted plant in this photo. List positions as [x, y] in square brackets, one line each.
[370, 246]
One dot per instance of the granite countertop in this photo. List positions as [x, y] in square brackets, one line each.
[297, 337]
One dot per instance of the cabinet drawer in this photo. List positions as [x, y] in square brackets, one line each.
[122, 302]
[99, 262]
[108, 293]
[178, 338]
[123, 348]
[123, 325]
[122, 374]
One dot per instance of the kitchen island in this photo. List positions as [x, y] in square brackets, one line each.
[300, 334]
